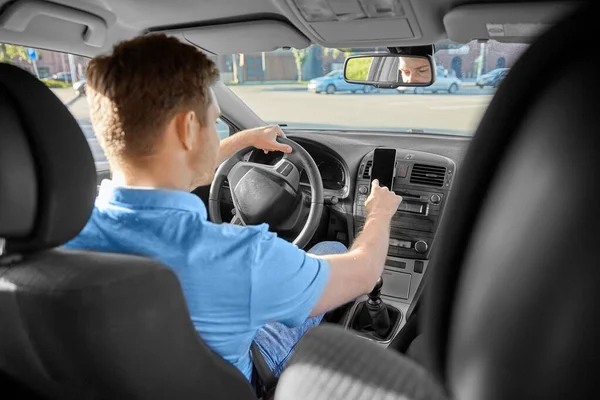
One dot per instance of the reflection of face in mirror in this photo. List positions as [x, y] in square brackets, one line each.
[414, 70]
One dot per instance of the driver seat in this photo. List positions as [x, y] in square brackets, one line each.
[80, 324]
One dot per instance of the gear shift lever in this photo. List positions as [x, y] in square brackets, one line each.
[373, 318]
[377, 310]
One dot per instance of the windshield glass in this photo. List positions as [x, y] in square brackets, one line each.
[305, 89]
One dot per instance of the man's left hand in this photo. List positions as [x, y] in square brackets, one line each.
[265, 138]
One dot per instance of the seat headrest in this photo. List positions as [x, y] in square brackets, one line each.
[47, 172]
[511, 309]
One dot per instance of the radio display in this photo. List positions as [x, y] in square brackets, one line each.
[384, 161]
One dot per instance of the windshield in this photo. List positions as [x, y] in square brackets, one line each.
[283, 87]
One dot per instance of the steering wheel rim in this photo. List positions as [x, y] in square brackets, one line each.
[298, 156]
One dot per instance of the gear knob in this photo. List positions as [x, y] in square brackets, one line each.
[376, 292]
[377, 310]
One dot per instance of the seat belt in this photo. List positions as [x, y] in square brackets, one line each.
[265, 374]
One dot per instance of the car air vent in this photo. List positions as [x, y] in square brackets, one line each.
[428, 175]
[367, 173]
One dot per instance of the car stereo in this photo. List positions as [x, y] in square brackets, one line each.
[423, 180]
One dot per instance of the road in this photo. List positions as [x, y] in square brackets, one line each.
[391, 110]
[388, 110]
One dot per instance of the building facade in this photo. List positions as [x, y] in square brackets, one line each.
[465, 60]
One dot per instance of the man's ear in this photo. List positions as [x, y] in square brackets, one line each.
[185, 126]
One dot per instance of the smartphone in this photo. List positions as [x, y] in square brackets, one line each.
[384, 165]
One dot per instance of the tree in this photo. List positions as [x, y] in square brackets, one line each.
[336, 52]
[9, 52]
[234, 68]
[300, 56]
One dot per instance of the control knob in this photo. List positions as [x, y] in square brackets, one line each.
[435, 198]
[421, 246]
[363, 189]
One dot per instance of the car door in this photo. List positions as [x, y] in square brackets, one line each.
[441, 83]
[441, 80]
[341, 84]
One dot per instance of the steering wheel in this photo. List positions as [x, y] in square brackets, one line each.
[271, 193]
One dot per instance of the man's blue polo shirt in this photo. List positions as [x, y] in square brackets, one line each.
[235, 279]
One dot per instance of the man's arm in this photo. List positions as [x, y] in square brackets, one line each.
[264, 138]
[355, 272]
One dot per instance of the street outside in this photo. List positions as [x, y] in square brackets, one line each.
[293, 105]
[386, 110]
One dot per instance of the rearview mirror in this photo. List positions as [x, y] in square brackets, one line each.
[390, 70]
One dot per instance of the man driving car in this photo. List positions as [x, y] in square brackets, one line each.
[155, 119]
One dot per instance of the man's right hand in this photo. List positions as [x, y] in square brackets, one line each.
[382, 201]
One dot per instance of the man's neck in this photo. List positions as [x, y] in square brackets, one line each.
[149, 177]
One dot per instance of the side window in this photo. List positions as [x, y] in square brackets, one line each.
[223, 129]
[64, 74]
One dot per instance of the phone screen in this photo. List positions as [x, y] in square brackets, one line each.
[384, 161]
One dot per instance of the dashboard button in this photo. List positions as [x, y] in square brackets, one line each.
[421, 246]
[419, 267]
[363, 189]
[435, 198]
[402, 170]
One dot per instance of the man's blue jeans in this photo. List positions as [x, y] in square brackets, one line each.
[276, 341]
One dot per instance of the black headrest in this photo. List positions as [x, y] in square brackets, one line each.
[512, 305]
[47, 172]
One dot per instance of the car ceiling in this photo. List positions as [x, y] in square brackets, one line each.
[227, 26]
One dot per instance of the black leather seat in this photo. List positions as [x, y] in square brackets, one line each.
[76, 324]
[511, 310]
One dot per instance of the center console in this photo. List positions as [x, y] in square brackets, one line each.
[424, 181]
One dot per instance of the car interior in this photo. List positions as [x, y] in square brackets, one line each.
[490, 284]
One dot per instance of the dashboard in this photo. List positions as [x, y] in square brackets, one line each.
[426, 165]
[425, 169]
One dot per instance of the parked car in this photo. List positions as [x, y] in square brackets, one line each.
[492, 78]
[62, 76]
[445, 81]
[79, 87]
[334, 82]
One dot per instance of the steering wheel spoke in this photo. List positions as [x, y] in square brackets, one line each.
[236, 220]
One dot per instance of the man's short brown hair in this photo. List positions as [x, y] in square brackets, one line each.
[135, 91]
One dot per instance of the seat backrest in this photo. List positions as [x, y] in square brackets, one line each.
[512, 306]
[77, 324]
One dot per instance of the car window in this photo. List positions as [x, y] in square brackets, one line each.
[57, 71]
[223, 129]
[284, 87]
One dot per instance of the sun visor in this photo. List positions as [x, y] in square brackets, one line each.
[516, 23]
[244, 37]
[46, 23]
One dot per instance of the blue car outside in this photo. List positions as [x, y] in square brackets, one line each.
[334, 82]
[492, 78]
